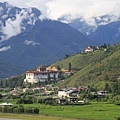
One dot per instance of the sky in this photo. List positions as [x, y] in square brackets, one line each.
[54, 9]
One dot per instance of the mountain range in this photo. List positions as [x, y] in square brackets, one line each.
[27, 41]
[101, 29]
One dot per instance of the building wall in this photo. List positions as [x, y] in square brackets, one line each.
[29, 76]
[61, 94]
[40, 76]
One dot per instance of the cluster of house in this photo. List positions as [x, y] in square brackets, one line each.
[62, 96]
[96, 48]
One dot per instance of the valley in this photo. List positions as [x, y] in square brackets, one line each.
[63, 68]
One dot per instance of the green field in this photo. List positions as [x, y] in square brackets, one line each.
[30, 117]
[94, 111]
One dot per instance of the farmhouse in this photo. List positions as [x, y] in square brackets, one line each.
[41, 74]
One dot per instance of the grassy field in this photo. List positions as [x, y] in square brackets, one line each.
[94, 111]
[30, 117]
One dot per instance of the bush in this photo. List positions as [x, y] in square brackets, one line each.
[116, 100]
[19, 109]
[118, 118]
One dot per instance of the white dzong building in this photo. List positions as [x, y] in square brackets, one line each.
[41, 74]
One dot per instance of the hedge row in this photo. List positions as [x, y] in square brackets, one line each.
[19, 109]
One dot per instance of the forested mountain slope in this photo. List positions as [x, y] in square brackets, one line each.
[96, 68]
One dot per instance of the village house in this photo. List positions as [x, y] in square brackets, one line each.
[102, 93]
[68, 93]
[41, 74]
[62, 93]
[6, 104]
[89, 49]
[26, 90]
[15, 92]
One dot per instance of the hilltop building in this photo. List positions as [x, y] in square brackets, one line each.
[89, 49]
[41, 74]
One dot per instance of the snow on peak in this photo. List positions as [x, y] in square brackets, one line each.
[15, 20]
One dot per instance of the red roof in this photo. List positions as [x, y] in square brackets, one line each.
[41, 72]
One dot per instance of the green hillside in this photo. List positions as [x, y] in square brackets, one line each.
[99, 69]
[96, 68]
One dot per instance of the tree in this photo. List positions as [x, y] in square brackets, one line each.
[67, 56]
[54, 78]
[118, 85]
[36, 111]
[1, 83]
[69, 66]
[0, 96]
[49, 81]
[39, 82]
[114, 87]
[116, 100]
[4, 83]
[58, 67]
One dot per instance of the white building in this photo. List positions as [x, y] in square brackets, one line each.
[67, 93]
[40, 74]
[62, 94]
[102, 93]
[89, 49]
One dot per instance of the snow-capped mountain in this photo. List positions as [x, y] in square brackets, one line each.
[98, 28]
[14, 20]
[28, 41]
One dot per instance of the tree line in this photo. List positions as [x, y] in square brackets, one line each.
[19, 109]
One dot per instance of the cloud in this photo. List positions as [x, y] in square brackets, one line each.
[5, 48]
[12, 27]
[54, 9]
[30, 42]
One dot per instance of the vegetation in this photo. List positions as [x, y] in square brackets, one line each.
[31, 117]
[13, 82]
[100, 66]
[93, 111]
[99, 69]
[19, 109]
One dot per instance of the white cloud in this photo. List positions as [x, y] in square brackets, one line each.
[55, 8]
[30, 42]
[5, 48]
[12, 27]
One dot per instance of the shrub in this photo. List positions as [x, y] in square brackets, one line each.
[118, 118]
